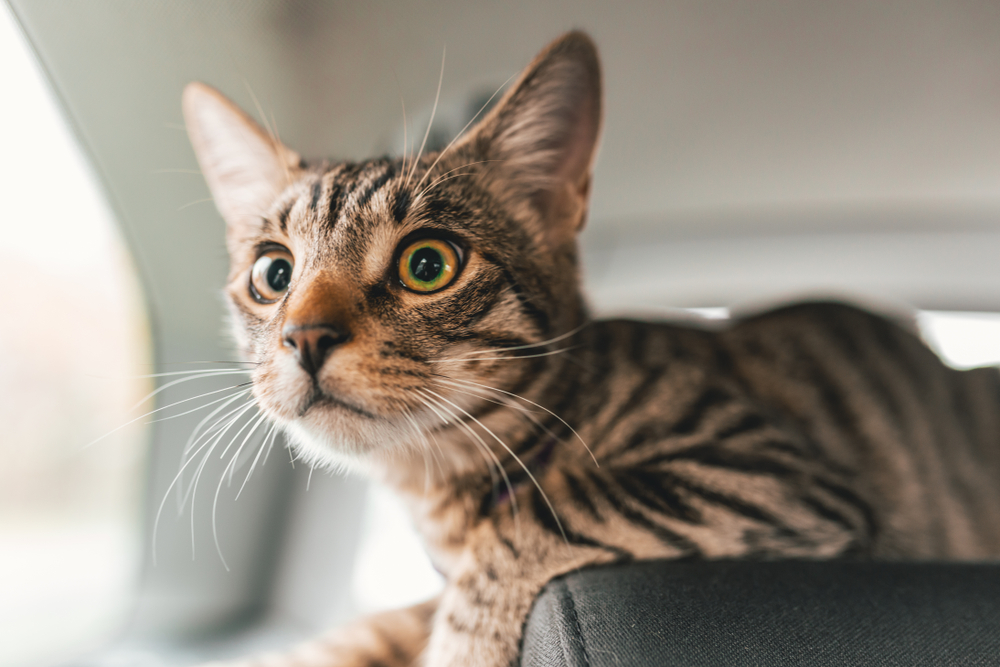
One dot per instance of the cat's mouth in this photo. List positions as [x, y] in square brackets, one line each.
[320, 399]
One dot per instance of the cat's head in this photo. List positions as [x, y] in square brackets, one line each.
[377, 296]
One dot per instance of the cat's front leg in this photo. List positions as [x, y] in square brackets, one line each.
[482, 612]
[391, 639]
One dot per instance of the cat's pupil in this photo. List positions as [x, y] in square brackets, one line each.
[279, 274]
[426, 264]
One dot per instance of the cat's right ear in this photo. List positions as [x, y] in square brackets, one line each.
[543, 135]
[245, 167]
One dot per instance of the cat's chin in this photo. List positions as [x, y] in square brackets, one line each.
[335, 444]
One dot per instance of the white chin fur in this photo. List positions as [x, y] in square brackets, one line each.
[336, 450]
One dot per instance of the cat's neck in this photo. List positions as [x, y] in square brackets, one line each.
[493, 436]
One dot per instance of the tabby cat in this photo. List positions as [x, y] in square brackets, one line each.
[420, 319]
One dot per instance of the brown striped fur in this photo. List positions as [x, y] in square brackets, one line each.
[530, 440]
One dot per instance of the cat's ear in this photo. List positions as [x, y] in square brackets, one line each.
[544, 133]
[245, 167]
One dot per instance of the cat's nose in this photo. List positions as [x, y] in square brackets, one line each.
[311, 344]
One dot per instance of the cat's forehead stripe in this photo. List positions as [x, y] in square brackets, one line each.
[386, 173]
[317, 190]
[339, 179]
[283, 214]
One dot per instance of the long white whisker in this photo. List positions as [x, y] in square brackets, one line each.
[509, 403]
[204, 461]
[402, 103]
[506, 402]
[199, 376]
[425, 446]
[540, 407]
[274, 436]
[166, 494]
[430, 123]
[443, 176]
[531, 345]
[165, 407]
[523, 356]
[441, 180]
[528, 472]
[216, 362]
[201, 407]
[229, 400]
[263, 446]
[193, 371]
[429, 437]
[238, 434]
[510, 488]
[462, 131]
[194, 437]
[222, 479]
[491, 460]
[159, 511]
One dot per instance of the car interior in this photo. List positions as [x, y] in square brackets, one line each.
[752, 154]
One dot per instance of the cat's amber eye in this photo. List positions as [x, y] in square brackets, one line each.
[428, 265]
[271, 275]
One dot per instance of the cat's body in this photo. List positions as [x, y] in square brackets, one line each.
[421, 320]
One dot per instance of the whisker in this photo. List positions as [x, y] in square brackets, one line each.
[238, 434]
[523, 356]
[528, 472]
[406, 144]
[196, 172]
[462, 131]
[165, 407]
[200, 407]
[530, 402]
[194, 437]
[274, 436]
[166, 494]
[260, 111]
[480, 444]
[263, 446]
[192, 363]
[205, 459]
[505, 403]
[195, 202]
[442, 178]
[428, 437]
[222, 478]
[430, 123]
[425, 447]
[543, 343]
[194, 375]
[229, 400]
[510, 488]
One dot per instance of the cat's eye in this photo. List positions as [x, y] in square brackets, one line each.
[271, 275]
[428, 265]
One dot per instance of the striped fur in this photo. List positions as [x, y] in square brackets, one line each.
[530, 440]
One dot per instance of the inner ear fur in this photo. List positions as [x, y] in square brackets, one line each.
[245, 167]
[544, 133]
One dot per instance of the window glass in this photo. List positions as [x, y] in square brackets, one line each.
[73, 340]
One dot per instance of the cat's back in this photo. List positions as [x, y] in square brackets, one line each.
[919, 440]
[858, 393]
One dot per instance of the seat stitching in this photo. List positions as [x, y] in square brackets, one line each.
[575, 621]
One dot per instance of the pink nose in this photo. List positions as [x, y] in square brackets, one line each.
[312, 344]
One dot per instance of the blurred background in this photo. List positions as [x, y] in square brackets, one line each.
[752, 153]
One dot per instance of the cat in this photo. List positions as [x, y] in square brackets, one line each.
[420, 319]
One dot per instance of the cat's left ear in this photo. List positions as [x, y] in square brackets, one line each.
[543, 135]
[246, 168]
